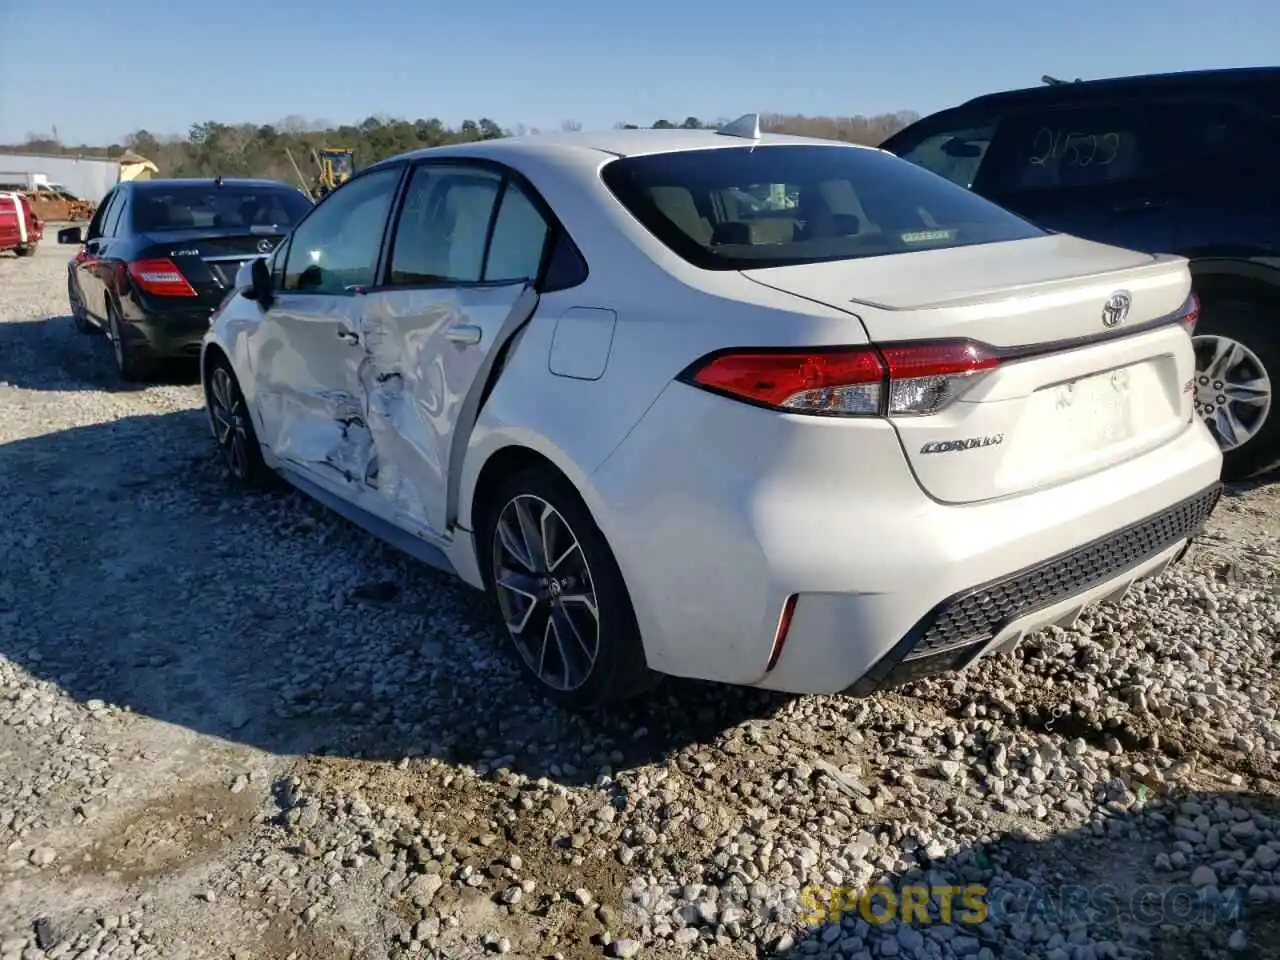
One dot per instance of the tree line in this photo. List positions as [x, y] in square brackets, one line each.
[264, 150]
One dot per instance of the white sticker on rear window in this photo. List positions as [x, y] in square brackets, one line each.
[928, 236]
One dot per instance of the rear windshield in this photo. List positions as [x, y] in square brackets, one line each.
[264, 208]
[736, 208]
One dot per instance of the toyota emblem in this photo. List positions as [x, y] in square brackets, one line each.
[265, 245]
[1115, 309]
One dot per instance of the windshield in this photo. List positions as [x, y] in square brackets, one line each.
[262, 208]
[737, 208]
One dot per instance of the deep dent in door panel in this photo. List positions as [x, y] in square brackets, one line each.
[410, 403]
[303, 418]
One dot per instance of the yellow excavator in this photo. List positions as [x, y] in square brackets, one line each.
[334, 167]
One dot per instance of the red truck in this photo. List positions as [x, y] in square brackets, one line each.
[20, 228]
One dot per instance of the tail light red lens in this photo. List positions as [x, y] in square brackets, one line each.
[160, 277]
[1189, 315]
[908, 379]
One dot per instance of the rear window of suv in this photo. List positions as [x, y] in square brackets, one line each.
[738, 208]
[234, 207]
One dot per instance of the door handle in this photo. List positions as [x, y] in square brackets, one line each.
[466, 333]
[348, 336]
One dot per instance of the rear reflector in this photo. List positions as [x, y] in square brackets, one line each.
[1189, 315]
[780, 635]
[160, 277]
[907, 379]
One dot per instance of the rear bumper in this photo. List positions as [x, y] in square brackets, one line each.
[166, 331]
[999, 613]
[718, 512]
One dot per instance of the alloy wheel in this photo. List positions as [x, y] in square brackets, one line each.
[546, 592]
[1232, 390]
[227, 417]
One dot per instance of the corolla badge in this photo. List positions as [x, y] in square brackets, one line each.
[1116, 309]
[969, 443]
[265, 245]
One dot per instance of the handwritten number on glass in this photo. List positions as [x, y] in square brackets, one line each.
[1070, 149]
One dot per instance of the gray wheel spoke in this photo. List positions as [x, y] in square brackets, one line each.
[525, 590]
[531, 533]
[546, 592]
[1226, 354]
[562, 652]
[585, 600]
[1229, 426]
[1254, 393]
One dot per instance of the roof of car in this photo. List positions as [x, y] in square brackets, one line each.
[618, 143]
[170, 182]
[1145, 83]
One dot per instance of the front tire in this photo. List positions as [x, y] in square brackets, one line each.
[560, 594]
[232, 427]
[79, 316]
[1237, 366]
[26, 251]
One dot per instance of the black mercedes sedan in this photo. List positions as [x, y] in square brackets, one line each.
[159, 256]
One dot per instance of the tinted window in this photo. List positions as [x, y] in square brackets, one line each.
[740, 207]
[955, 154]
[100, 216]
[1219, 136]
[441, 235]
[337, 246]
[235, 207]
[519, 237]
[111, 225]
[1077, 147]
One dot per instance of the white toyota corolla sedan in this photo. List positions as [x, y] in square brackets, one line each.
[763, 410]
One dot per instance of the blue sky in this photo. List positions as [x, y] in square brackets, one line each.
[100, 70]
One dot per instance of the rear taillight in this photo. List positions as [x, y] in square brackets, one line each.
[160, 277]
[907, 379]
[1189, 315]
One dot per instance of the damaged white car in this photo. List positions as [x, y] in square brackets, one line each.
[756, 409]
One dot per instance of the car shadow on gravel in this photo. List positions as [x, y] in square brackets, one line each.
[50, 354]
[1165, 876]
[135, 577]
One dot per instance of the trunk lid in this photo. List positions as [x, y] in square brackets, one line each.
[1071, 396]
[209, 259]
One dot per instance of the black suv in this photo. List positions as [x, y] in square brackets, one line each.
[1184, 163]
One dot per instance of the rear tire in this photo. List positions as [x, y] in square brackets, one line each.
[560, 594]
[27, 251]
[131, 365]
[232, 427]
[1237, 370]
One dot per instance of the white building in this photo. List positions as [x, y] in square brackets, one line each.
[89, 178]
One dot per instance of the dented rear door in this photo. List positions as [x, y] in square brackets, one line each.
[465, 251]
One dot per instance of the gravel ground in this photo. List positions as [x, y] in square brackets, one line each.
[235, 726]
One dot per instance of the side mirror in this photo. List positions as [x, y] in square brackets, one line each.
[253, 280]
[71, 235]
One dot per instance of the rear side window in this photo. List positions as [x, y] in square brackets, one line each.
[519, 237]
[1086, 146]
[735, 208]
[464, 224]
[233, 207]
[441, 234]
